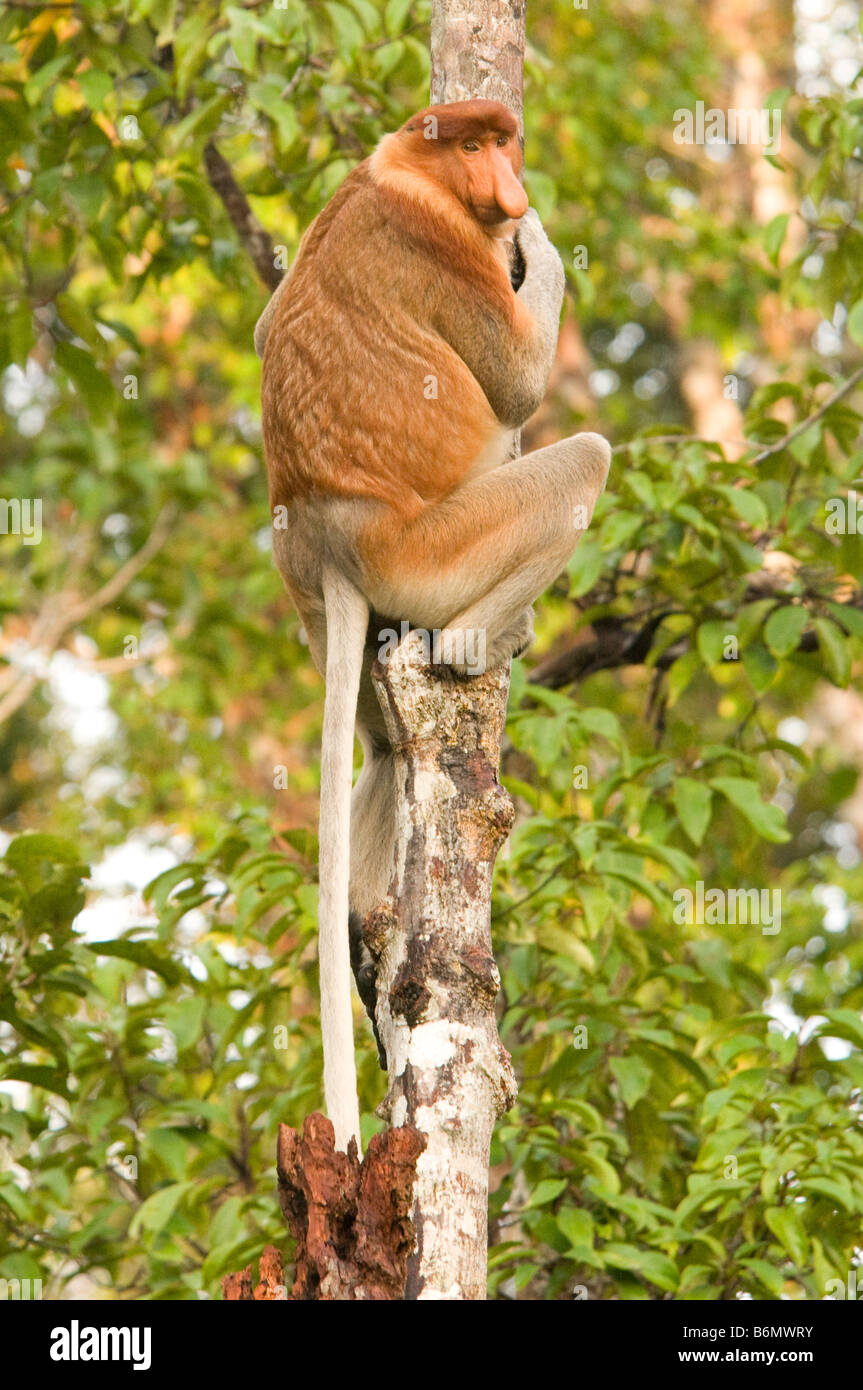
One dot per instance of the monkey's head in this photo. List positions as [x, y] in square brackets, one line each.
[470, 148]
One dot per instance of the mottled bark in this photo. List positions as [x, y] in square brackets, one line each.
[477, 50]
[436, 978]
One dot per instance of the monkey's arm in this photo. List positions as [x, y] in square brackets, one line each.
[264, 324]
[512, 361]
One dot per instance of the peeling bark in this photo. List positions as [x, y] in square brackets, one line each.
[351, 1221]
[449, 1075]
[237, 1288]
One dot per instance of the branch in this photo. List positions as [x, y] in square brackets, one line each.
[679, 439]
[810, 420]
[61, 612]
[615, 644]
[765, 453]
[255, 240]
[618, 644]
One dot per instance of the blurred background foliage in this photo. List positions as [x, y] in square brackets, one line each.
[689, 1119]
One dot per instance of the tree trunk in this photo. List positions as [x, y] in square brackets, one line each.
[436, 978]
[436, 982]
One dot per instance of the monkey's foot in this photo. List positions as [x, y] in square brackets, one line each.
[472, 652]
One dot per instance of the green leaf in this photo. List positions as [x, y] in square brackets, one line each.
[93, 384]
[36, 85]
[711, 641]
[681, 673]
[190, 48]
[349, 34]
[760, 666]
[28, 851]
[633, 1076]
[601, 721]
[585, 567]
[747, 504]
[693, 803]
[773, 235]
[711, 957]
[546, 1191]
[855, 322]
[228, 1224]
[770, 1278]
[848, 617]
[784, 628]
[596, 905]
[185, 1019]
[576, 1224]
[266, 96]
[657, 1268]
[846, 1020]
[95, 86]
[145, 954]
[171, 1149]
[640, 484]
[395, 15]
[600, 1169]
[47, 1077]
[750, 618]
[786, 1225]
[619, 527]
[745, 797]
[833, 645]
[840, 1192]
[155, 1213]
[200, 122]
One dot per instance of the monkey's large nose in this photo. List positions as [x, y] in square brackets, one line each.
[508, 192]
[511, 197]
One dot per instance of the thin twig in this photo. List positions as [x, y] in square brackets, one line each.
[811, 419]
[771, 449]
[61, 612]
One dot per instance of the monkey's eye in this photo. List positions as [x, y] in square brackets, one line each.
[503, 140]
[470, 147]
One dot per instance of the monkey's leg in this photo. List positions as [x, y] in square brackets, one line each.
[472, 564]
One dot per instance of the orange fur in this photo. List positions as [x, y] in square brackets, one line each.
[397, 361]
[347, 408]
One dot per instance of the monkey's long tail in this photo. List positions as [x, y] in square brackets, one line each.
[347, 620]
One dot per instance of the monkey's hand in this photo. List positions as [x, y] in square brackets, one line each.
[544, 280]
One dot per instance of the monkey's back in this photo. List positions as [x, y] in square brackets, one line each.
[362, 398]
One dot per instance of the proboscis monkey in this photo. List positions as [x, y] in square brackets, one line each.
[397, 362]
